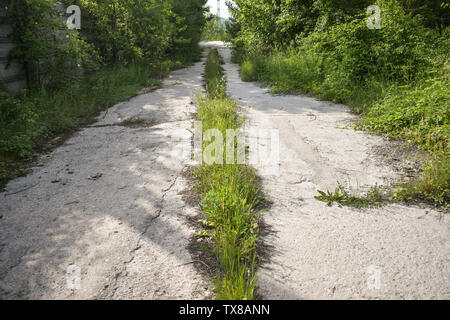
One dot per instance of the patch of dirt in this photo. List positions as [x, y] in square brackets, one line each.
[401, 156]
[137, 123]
[202, 250]
[190, 196]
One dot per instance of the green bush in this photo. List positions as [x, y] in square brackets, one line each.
[288, 72]
[17, 125]
[248, 71]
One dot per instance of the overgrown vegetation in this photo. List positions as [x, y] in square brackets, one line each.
[229, 195]
[73, 74]
[396, 77]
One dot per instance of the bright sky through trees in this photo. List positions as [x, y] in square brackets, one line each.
[213, 8]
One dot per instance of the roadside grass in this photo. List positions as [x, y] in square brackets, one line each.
[248, 71]
[30, 119]
[372, 199]
[432, 183]
[229, 195]
[215, 81]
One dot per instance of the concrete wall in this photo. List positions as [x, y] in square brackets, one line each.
[14, 76]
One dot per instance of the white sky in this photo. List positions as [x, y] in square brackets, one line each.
[223, 8]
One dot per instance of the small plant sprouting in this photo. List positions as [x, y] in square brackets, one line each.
[372, 199]
[203, 234]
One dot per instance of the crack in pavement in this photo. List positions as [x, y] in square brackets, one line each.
[123, 272]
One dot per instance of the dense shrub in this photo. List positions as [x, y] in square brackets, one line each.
[50, 52]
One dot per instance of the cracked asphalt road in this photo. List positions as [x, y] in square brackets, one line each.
[107, 202]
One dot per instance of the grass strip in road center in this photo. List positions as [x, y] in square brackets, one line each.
[229, 194]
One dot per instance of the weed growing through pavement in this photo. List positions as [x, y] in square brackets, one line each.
[372, 199]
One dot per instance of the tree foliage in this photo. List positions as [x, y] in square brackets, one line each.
[126, 30]
[275, 24]
[112, 32]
